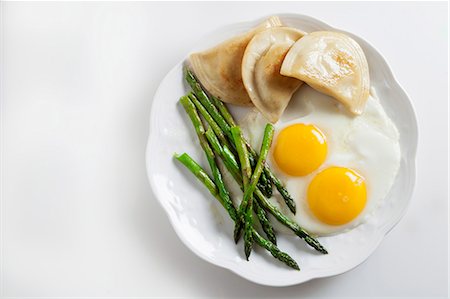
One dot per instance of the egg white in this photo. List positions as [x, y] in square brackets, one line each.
[368, 143]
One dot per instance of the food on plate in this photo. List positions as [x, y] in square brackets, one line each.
[203, 176]
[300, 149]
[332, 63]
[269, 91]
[249, 180]
[318, 127]
[219, 68]
[331, 168]
[234, 169]
[229, 156]
[217, 111]
[344, 199]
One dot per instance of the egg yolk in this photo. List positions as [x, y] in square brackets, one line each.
[337, 195]
[300, 149]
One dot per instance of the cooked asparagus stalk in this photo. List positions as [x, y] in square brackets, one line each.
[297, 229]
[264, 202]
[206, 102]
[248, 194]
[196, 169]
[223, 111]
[264, 184]
[277, 253]
[248, 228]
[224, 125]
[264, 221]
[243, 158]
[250, 182]
[232, 166]
[280, 187]
[190, 109]
[265, 146]
[245, 212]
[201, 175]
[215, 127]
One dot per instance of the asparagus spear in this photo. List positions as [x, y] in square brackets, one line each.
[199, 129]
[196, 169]
[264, 184]
[277, 253]
[264, 202]
[265, 146]
[243, 156]
[215, 127]
[264, 221]
[232, 166]
[206, 102]
[230, 162]
[248, 194]
[280, 187]
[224, 125]
[297, 229]
[201, 175]
[248, 228]
[250, 182]
[245, 212]
[223, 111]
[228, 159]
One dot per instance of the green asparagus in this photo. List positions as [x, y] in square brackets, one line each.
[245, 212]
[199, 129]
[223, 111]
[265, 146]
[264, 221]
[265, 183]
[297, 229]
[224, 125]
[201, 175]
[228, 159]
[232, 166]
[243, 156]
[224, 140]
[192, 166]
[284, 257]
[204, 99]
[215, 127]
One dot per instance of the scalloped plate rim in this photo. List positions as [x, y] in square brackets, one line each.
[382, 232]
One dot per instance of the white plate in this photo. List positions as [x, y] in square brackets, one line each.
[203, 225]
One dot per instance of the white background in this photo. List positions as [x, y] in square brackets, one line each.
[77, 214]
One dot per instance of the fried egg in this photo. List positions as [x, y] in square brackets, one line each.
[338, 167]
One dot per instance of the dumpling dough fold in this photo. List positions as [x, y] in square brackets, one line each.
[332, 63]
[219, 68]
[270, 91]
